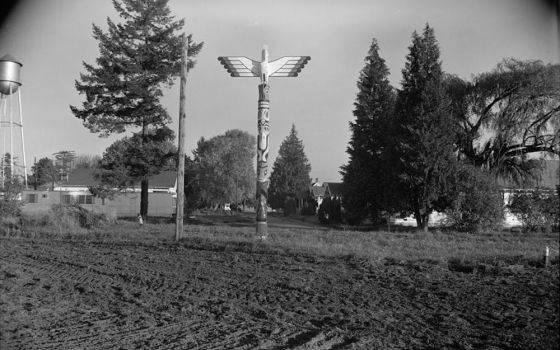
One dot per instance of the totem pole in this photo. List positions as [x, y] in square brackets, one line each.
[239, 66]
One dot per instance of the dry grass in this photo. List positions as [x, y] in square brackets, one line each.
[439, 247]
[435, 246]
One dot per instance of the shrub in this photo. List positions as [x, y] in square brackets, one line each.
[290, 206]
[330, 211]
[70, 216]
[10, 204]
[479, 204]
[309, 207]
[537, 209]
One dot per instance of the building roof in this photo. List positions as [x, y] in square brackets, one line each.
[80, 178]
[334, 189]
[84, 178]
[165, 179]
[318, 191]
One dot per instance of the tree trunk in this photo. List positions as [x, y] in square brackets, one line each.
[144, 183]
[144, 199]
[422, 217]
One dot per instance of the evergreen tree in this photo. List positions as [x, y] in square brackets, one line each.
[425, 132]
[290, 172]
[366, 175]
[130, 159]
[137, 58]
[44, 172]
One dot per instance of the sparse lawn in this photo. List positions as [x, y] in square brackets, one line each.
[303, 235]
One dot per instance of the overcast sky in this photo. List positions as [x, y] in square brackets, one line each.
[51, 38]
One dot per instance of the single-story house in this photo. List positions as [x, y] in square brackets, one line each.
[162, 196]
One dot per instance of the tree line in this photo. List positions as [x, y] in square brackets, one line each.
[436, 143]
[440, 142]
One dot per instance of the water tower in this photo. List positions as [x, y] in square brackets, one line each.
[12, 148]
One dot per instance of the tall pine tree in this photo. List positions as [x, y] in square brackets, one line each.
[366, 175]
[290, 172]
[425, 132]
[138, 57]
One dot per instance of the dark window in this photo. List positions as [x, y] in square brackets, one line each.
[85, 199]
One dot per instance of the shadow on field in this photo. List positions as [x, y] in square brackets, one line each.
[248, 220]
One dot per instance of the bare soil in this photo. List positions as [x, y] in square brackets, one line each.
[72, 294]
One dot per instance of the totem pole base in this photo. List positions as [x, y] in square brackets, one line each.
[262, 230]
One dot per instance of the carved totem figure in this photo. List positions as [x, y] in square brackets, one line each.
[287, 66]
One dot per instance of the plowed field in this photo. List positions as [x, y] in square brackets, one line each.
[68, 294]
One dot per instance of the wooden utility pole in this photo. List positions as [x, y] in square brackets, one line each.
[182, 144]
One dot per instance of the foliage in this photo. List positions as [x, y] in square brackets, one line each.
[366, 175]
[479, 205]
[290, 206]
[138, 57]
[132, 159]
[6, 163]
[330, 211]
[424, 133]
[223, 169]
[290, 172]
[193, 191]
[64, 163]
[44, 172]
[506, 115]
[86, 161]
[10, 197]
[309, 206]
[75, 213]
[536, 209]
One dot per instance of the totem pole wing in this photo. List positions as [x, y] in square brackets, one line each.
[288, 66]
[239, 66]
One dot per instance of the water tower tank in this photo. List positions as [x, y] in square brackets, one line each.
[9, 75]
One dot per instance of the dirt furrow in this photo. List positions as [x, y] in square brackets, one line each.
[101, 295]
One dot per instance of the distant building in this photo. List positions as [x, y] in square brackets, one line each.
[548, 181]
[334, 190]
[322, 190]
[161, 196]
[317, 191]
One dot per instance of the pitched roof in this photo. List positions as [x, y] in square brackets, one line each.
[84, 177]
[318, 191]
[165, 179]
[334, 189]
[80, 177]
